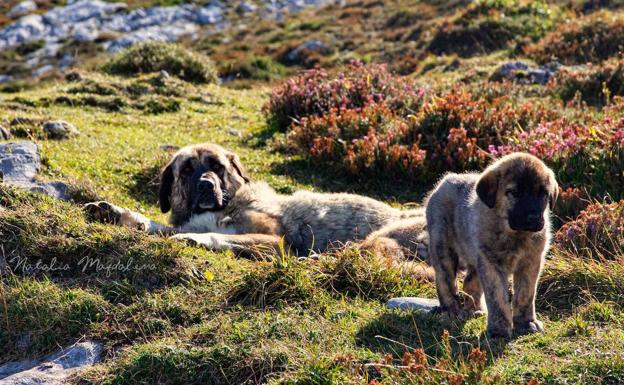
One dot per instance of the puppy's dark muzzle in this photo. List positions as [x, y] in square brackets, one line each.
[532, 222]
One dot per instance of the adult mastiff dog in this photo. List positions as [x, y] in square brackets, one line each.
[215, 204]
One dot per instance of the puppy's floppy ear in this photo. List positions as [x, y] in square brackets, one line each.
[553, 194]
[238, 166]
[166, 182]
[487, 187]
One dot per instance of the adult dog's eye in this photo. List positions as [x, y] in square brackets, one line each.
[217, 167]
[187, 170]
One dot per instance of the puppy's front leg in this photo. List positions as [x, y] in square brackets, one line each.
[525, 285]
[495, 284]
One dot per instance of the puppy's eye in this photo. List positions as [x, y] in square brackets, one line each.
[513, 192]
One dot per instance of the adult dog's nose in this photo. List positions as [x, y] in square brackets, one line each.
[205, 185]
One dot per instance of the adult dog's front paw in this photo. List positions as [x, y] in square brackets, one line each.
[208, 240]
[103, 212]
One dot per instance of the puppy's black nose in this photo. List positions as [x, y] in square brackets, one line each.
[205, 185]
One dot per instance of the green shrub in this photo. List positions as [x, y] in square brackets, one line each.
[592, 38]
[155, 56]
[488, 26]
[256, 68]
[595, 85]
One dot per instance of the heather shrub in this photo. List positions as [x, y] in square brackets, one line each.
[594, 85]
[156, 56]
[582, 154]
[487, 26]
[316, 92]
[598, 231]
[450, 133]
[592, 38]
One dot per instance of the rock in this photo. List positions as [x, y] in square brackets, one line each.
[23, 8]
[246, 7]
[234, 132]
[43, 70]
[209, 15]
[53, 369]
[5, 78]
[295, 55]
[90, 20]
[5, 134]
[59, 129]
[19, 162]
[417, 303]
[522, 72]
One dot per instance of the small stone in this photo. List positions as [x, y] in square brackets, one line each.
[169, 147]
[5, 134]
[234, 132]
[246, 7]
[59, 129]
[23, 8]
[417, 303]
[164, 74]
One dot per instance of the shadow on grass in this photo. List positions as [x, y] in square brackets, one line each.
[143, 185]
[396, 332]
[324, 178]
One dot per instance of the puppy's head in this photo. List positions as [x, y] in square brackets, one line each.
[199, 178]
[521, 188]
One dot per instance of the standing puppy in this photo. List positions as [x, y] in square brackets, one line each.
[496, 225]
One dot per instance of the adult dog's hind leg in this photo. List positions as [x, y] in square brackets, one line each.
[244, 245]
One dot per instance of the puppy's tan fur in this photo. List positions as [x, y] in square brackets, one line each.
[468, 225]
[256, 218]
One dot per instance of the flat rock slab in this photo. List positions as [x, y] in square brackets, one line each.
[19, 164]
[405, 303]
[53, 369]
[19, 161]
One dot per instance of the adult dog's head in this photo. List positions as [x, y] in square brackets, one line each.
[520, 187]
[199, 178]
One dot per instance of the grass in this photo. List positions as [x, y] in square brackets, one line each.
[204, 317]
[195, 316]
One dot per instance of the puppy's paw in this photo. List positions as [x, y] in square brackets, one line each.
[528, 327]
[103, 212]
[499, 332]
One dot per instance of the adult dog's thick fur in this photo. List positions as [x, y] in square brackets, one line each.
[496, 225]
[214, 203]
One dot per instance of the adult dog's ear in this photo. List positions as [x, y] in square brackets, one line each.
[238, 166]
[487, 187]
[166, 182]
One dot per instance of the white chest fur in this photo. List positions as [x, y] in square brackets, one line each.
[209, 222]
